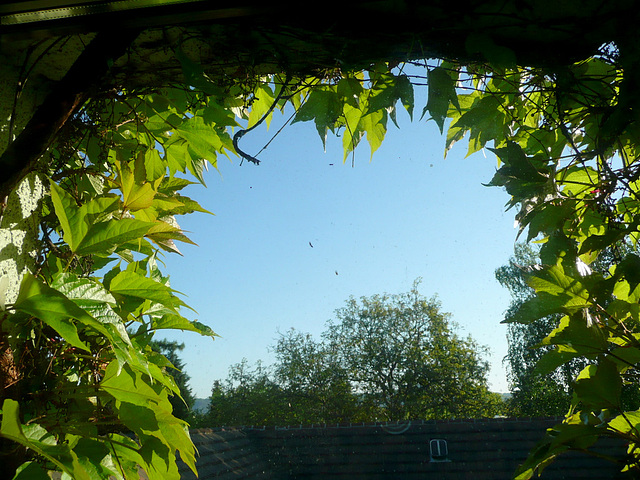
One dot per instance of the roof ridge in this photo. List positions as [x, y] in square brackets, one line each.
[390, 423]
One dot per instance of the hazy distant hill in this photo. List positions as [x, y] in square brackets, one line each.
[201, 405]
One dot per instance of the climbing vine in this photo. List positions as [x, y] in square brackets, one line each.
[84, 393]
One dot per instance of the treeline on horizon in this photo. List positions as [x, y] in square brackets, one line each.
[389, 358]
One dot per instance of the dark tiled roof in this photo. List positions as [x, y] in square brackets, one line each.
[226, 454]
[477, 449]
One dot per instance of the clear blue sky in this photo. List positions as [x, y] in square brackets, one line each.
[408, 213]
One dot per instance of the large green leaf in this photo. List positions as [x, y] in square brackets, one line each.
[31, 471]
[375, 127]
[76, 220]
[442, 92]
[131, 284]
[202, 139]
[386, 92]
[53, 308]
[103, 238]
[599, 385]
[556, 293]
[324, 107]
[137, 192]
[95, 299]
[127, 385]
[177, 322]
[88, 229]
[145, 408]
[262, 102]
[575, 335]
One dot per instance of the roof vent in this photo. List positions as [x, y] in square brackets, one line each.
[438, 450]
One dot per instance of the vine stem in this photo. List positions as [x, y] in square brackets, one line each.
[241, 133]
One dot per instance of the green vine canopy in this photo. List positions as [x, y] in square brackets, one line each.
[78, 372]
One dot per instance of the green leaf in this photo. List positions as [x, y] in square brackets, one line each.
[350, 89]
[574, 335]
[540, 306]
[145, 408]
[31, 471]
[486, 122]
[519, 165]
[375, 128]
[324, 107]
[36, 438]
[352, 133]
[85, 229]
[126, 385]
[155, 168]
[218, 115]
[170, 185]
[177, 322]
[262, 101]
[188, 206]
[556, 293]
[125, 450]
[386, 92]
[547, 219]
[202, 139]
[559, 439]
[103, 238]
[629, 422]
[553, 280]
[132, 284]
[96, 300]
[177, 154]
[599, 385]
[137, 193]
[441, 94]
[75, 220]
[66, 210]
[553, 359]
[53, 308]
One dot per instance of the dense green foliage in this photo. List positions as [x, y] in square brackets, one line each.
[386, 357]
[568, 142]
[403, 357]
[533, 393]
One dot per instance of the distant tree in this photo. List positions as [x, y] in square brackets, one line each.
[315, 384]
[247, 397]
[405, 360]
[181, 406]
[387, 357]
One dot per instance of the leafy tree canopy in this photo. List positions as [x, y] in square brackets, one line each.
[402, 354]
[386, 357]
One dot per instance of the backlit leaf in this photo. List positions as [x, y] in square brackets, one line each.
[132, 284]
